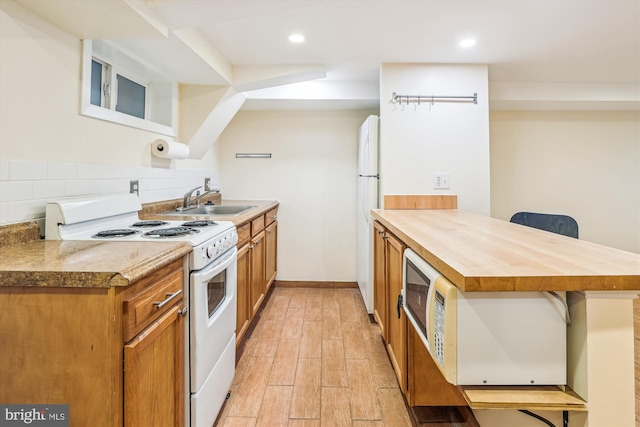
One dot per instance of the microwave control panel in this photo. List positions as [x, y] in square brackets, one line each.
[438, 327]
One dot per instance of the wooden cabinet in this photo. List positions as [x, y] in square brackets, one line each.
[243, 293]
[426, 385]
[154, 357]
[153, 367]
[387, 288]
[108, 353]
[271, 253]
[380, 278]
[257, 264]
[258, 283]
[396, 319]
[418, 376]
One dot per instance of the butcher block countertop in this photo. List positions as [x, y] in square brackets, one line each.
[86, 264]
[480, 253]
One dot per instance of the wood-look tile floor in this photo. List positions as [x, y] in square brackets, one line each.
[314, 359]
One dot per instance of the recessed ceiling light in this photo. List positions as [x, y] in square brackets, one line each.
[296, 38]
[467, 42]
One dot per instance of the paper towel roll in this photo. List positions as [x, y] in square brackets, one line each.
[169, 150]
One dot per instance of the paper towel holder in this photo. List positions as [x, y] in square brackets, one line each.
[169, 150]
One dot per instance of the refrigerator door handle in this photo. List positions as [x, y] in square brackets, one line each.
[370, 176]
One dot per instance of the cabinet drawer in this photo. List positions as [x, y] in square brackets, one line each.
[257, 225]
[244, 234]
[271, 216]
[154, 295]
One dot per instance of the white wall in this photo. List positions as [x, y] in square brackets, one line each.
[47, 149]
[444, 137]
[582, 164]
[312, 173]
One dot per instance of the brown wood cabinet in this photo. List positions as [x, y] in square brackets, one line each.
[258, 283]
[243, 309]
[388, 252]
[257, 265]
[425, 384]
[154, 357]
[396, 320]
[153, 365]
[420, 379]
[108, 353]
[271, 253]
[380, 296]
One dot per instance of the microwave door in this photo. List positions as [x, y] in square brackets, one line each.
[416, 293]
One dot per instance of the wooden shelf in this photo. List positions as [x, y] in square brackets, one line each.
[547, 398]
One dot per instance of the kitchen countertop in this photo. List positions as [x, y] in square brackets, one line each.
[87, 264]
[26, 260]
[262, 207]
[480, 253]
[13, 234]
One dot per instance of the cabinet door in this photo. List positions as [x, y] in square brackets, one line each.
[379, 278]
[257, 271]
[154, 374]
[244, 306]
[426, 384]
[396, 322]
[271, 251]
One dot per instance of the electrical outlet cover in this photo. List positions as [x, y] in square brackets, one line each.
[134, 187]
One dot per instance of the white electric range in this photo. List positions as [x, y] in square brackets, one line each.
[210, 294]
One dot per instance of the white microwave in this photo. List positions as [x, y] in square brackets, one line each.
[486, 338]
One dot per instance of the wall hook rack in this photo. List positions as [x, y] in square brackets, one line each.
[431, 99]
[253, 155]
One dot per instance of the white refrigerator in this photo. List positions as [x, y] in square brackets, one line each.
[367, 199]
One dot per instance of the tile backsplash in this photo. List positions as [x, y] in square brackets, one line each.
[25, 186]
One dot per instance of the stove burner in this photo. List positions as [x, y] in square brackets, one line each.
[199, 223]
[149, 223]
[121, 232]
[168, 233]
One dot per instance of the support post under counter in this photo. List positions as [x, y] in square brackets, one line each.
[601, 357]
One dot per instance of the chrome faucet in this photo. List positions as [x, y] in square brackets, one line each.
[200, 196]
[186, 202]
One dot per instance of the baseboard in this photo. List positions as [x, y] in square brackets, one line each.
[313, 284]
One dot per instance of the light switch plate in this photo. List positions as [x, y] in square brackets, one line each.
[207, 184]
[441, 181]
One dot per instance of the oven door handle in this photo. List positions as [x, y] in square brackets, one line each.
[170, 296]
[216, 266]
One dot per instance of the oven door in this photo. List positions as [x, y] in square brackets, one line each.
[212, 320]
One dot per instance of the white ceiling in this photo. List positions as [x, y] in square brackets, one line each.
[545, 53]
[578, 41]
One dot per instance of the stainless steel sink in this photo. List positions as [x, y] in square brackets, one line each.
[210, 210]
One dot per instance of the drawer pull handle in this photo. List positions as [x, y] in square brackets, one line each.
[160, 304]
